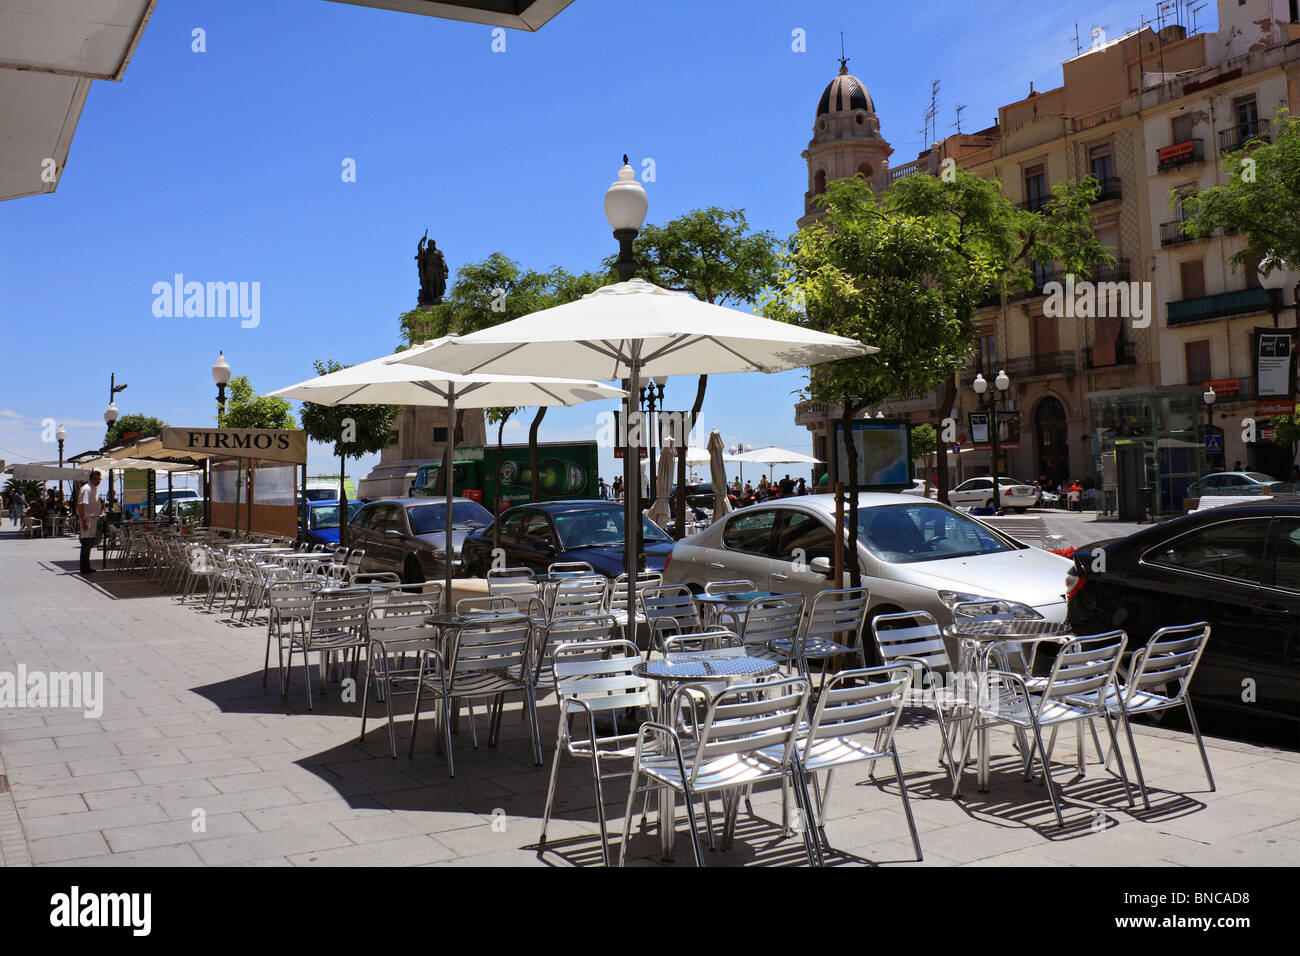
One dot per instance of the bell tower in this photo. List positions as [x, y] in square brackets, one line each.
[846, 141]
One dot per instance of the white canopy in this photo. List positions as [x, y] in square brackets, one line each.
[629, 330]
[42, 472]
[771, 455]
[601, 335]
[701, 456]
[379, 381]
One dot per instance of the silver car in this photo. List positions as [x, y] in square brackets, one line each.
[915, 554]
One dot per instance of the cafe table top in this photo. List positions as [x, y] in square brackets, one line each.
[697, 666]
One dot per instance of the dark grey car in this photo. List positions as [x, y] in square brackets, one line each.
[408, 535]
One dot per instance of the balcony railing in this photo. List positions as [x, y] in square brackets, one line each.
[1235, 138]
[1175, 233]
[1040, 280]
[1119, 272]
[1052, 363]
[1231, 390]
[1182, 154]
[1224, 305]
[1125, 354]
[1034, 204]
[1112, 187]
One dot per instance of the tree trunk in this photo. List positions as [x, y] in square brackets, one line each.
[851, 457]
[679, 504]
[496, 524]
[536, 493]
[945, 405]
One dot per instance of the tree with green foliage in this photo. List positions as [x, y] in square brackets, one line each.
[488, 293]
[247, 409]
[712, 254]
[138, 426]
[924, 441]
[354, 431]
[904, 272]
[1260, 200]
[1001, 246]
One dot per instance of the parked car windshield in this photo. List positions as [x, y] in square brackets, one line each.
[328, 515]
[321, 494]
[600, 528]
[908, 534]
[426, 519]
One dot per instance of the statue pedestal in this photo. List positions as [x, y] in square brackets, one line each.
[416, 446]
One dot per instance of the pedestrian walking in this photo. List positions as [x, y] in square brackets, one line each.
[17, 507]
[604, 490]
[89, 510]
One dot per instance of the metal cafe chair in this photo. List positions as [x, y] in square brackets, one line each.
[913, 638]
[483, 659]
[855, 719]
[616, 597]
[398, 628]
[580, 629]
[718, 614]
[768, 626]
[563, 567]
[339, 621]
[594, 679]
[288, 606]
[833, 613]
[668, 609]
[1169, 658]
[748, 736]
[1076, 690]
[518, 583]
[577, 596]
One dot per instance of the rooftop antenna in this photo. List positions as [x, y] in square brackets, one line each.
[1078, 47]
[1195, 12]
[960, 110]
[932, 113]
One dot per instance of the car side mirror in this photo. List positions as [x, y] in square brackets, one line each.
[820, 566]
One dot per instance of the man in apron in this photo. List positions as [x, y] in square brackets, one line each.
[89, 510]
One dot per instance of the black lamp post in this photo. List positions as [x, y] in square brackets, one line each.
[1000, 386]
[61, 435]
[1210, 397]
[625, 208]
[650, 395]
[221, 375]
[110, 416]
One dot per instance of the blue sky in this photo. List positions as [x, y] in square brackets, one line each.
[226, 166]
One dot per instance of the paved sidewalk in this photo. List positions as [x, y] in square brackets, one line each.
[193, 763]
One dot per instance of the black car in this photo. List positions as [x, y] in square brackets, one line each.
[408, 536]
[1236, 567]
[537, 535]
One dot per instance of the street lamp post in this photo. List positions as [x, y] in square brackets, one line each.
[652, 396]
[110, 416]
[221, 375]
[740, 449]
[1210, 397]
[1000, 384]
[625, 208]
[61, 435]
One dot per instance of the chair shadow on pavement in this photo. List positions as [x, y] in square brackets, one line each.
[112, 583]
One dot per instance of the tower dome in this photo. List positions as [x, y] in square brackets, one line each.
[845, 94]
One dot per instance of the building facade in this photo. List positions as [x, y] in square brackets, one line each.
[1110, 390]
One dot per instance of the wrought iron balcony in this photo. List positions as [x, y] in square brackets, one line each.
[1224, 305]
[1125, 354]
[1175, 233]
[1178, 155]
[1034, 203]
[1112, 187]
[1235, 138]
[1052, 363]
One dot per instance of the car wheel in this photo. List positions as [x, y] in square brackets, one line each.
[412, 573]
[1019, 511]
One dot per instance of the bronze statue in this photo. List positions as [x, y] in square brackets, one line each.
[433, 271]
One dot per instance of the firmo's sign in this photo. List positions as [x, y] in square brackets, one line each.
[269, 444]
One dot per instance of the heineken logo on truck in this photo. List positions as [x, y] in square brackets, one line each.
[503, 476]
[554, 475]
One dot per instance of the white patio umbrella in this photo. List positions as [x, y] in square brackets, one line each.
[718, 475]
[660, 511]
[626, 331]
[380, 382]
[771, 455]
[701, 456]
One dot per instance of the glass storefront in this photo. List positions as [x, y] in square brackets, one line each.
[1159, 442]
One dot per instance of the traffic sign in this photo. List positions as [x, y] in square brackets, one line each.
[1214, 444]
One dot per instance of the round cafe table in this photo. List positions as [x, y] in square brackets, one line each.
[714, 606]
[697, 666]
[978, 639]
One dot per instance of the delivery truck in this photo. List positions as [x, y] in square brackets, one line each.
[568, 470]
